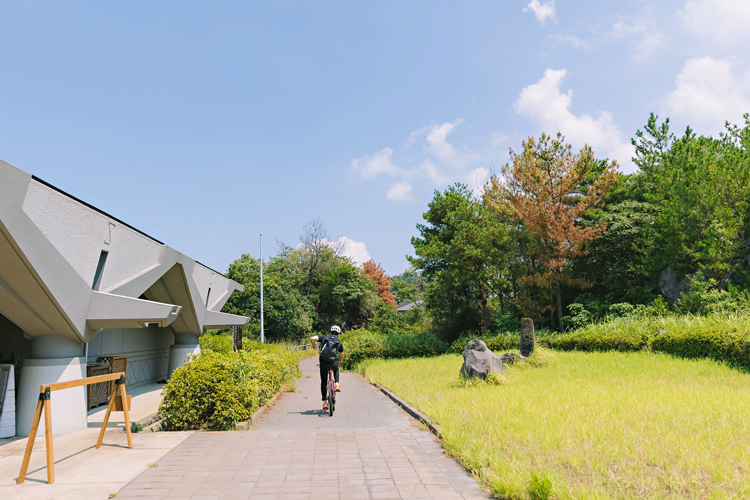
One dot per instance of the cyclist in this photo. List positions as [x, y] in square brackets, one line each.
[331, 354]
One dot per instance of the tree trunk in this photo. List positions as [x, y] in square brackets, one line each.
[485, 309]
[552, 316]
[559, 307]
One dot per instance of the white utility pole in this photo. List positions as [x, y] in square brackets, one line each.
[262, 336]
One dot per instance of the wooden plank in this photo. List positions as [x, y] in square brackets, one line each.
[126, 414]
[30, 443]
[83, 381]
[110, 407]
[48, 438]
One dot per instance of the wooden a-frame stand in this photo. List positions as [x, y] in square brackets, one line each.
[46, 404]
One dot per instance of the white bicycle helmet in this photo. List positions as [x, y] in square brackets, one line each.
[335, 330]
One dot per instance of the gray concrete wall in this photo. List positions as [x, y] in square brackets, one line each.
[147, 350]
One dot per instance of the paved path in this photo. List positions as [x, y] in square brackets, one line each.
[369, 449]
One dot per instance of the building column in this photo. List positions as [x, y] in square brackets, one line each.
[184, 345]
[53, 359]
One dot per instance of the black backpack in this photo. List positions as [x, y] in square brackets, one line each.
[329, 353]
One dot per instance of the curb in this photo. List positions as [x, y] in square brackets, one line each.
[434, 428]
[250, 423]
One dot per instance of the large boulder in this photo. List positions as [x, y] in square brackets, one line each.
[479, 361]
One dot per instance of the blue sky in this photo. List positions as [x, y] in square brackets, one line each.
[207, 124]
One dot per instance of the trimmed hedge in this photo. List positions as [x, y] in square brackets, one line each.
[505, 341]
[602, 341]
[363, 344]
[723, 338]
[218, 389]
[502, 342]
[731, 347]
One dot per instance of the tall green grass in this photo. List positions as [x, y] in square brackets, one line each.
[590, 425]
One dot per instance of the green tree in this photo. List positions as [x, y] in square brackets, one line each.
[702, 186]
[288, 313]
[346, 297]
[408, 286]
[459, 253]
[619, 264]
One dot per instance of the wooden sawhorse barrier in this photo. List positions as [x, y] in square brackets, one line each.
[45, 393]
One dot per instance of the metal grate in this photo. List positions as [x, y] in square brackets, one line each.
[117, 364]
[97, 393]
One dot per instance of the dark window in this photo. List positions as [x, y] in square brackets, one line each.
[100, 270]
[208, 295]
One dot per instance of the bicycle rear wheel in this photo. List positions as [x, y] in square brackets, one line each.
[331, 397]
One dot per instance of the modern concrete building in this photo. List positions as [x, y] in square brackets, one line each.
[77, 283]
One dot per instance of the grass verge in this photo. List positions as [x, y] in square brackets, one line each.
[590, 425]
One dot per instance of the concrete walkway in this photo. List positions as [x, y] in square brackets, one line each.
[81, 471]
[369, 449]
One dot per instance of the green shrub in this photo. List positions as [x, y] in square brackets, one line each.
[407, 343]
[731, 347]
[722, 337]
[215, 390]
[501, 342]
[217, 343]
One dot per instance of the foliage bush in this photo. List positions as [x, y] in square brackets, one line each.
[504, 341]
[219, 388]
[721, 337]
[405, 343]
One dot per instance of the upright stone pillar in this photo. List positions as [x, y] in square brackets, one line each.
[53, 359]
[528, 340]
[184, 344]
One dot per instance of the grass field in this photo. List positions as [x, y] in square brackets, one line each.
[590, 425]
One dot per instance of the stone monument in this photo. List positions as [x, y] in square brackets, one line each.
[528, 341]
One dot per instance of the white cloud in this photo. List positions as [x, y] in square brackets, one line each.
[427, 169]
[542, 11]
[574, 41]
[356, 250]
[438, 146]
[721, 21]
[707, 94]
[550, 110]
[643, 27]
[401, 192]
[444, 163]
[369, 167]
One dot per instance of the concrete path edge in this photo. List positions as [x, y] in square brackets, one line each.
[253, 420]
[414, 412]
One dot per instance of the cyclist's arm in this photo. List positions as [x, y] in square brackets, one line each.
[314, 339]
[341, 357]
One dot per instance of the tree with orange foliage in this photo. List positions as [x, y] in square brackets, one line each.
[548, 189]
[381, 280]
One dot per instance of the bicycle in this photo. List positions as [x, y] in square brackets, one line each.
[331, 392]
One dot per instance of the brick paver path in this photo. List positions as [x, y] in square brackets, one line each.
[279, 461]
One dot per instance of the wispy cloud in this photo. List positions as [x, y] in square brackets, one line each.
[400, 192]
[444, 162]
[542, 11]
[644, 29]
[369, 167]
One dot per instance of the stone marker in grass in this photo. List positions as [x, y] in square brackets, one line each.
[479, 361]
[527, 336]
